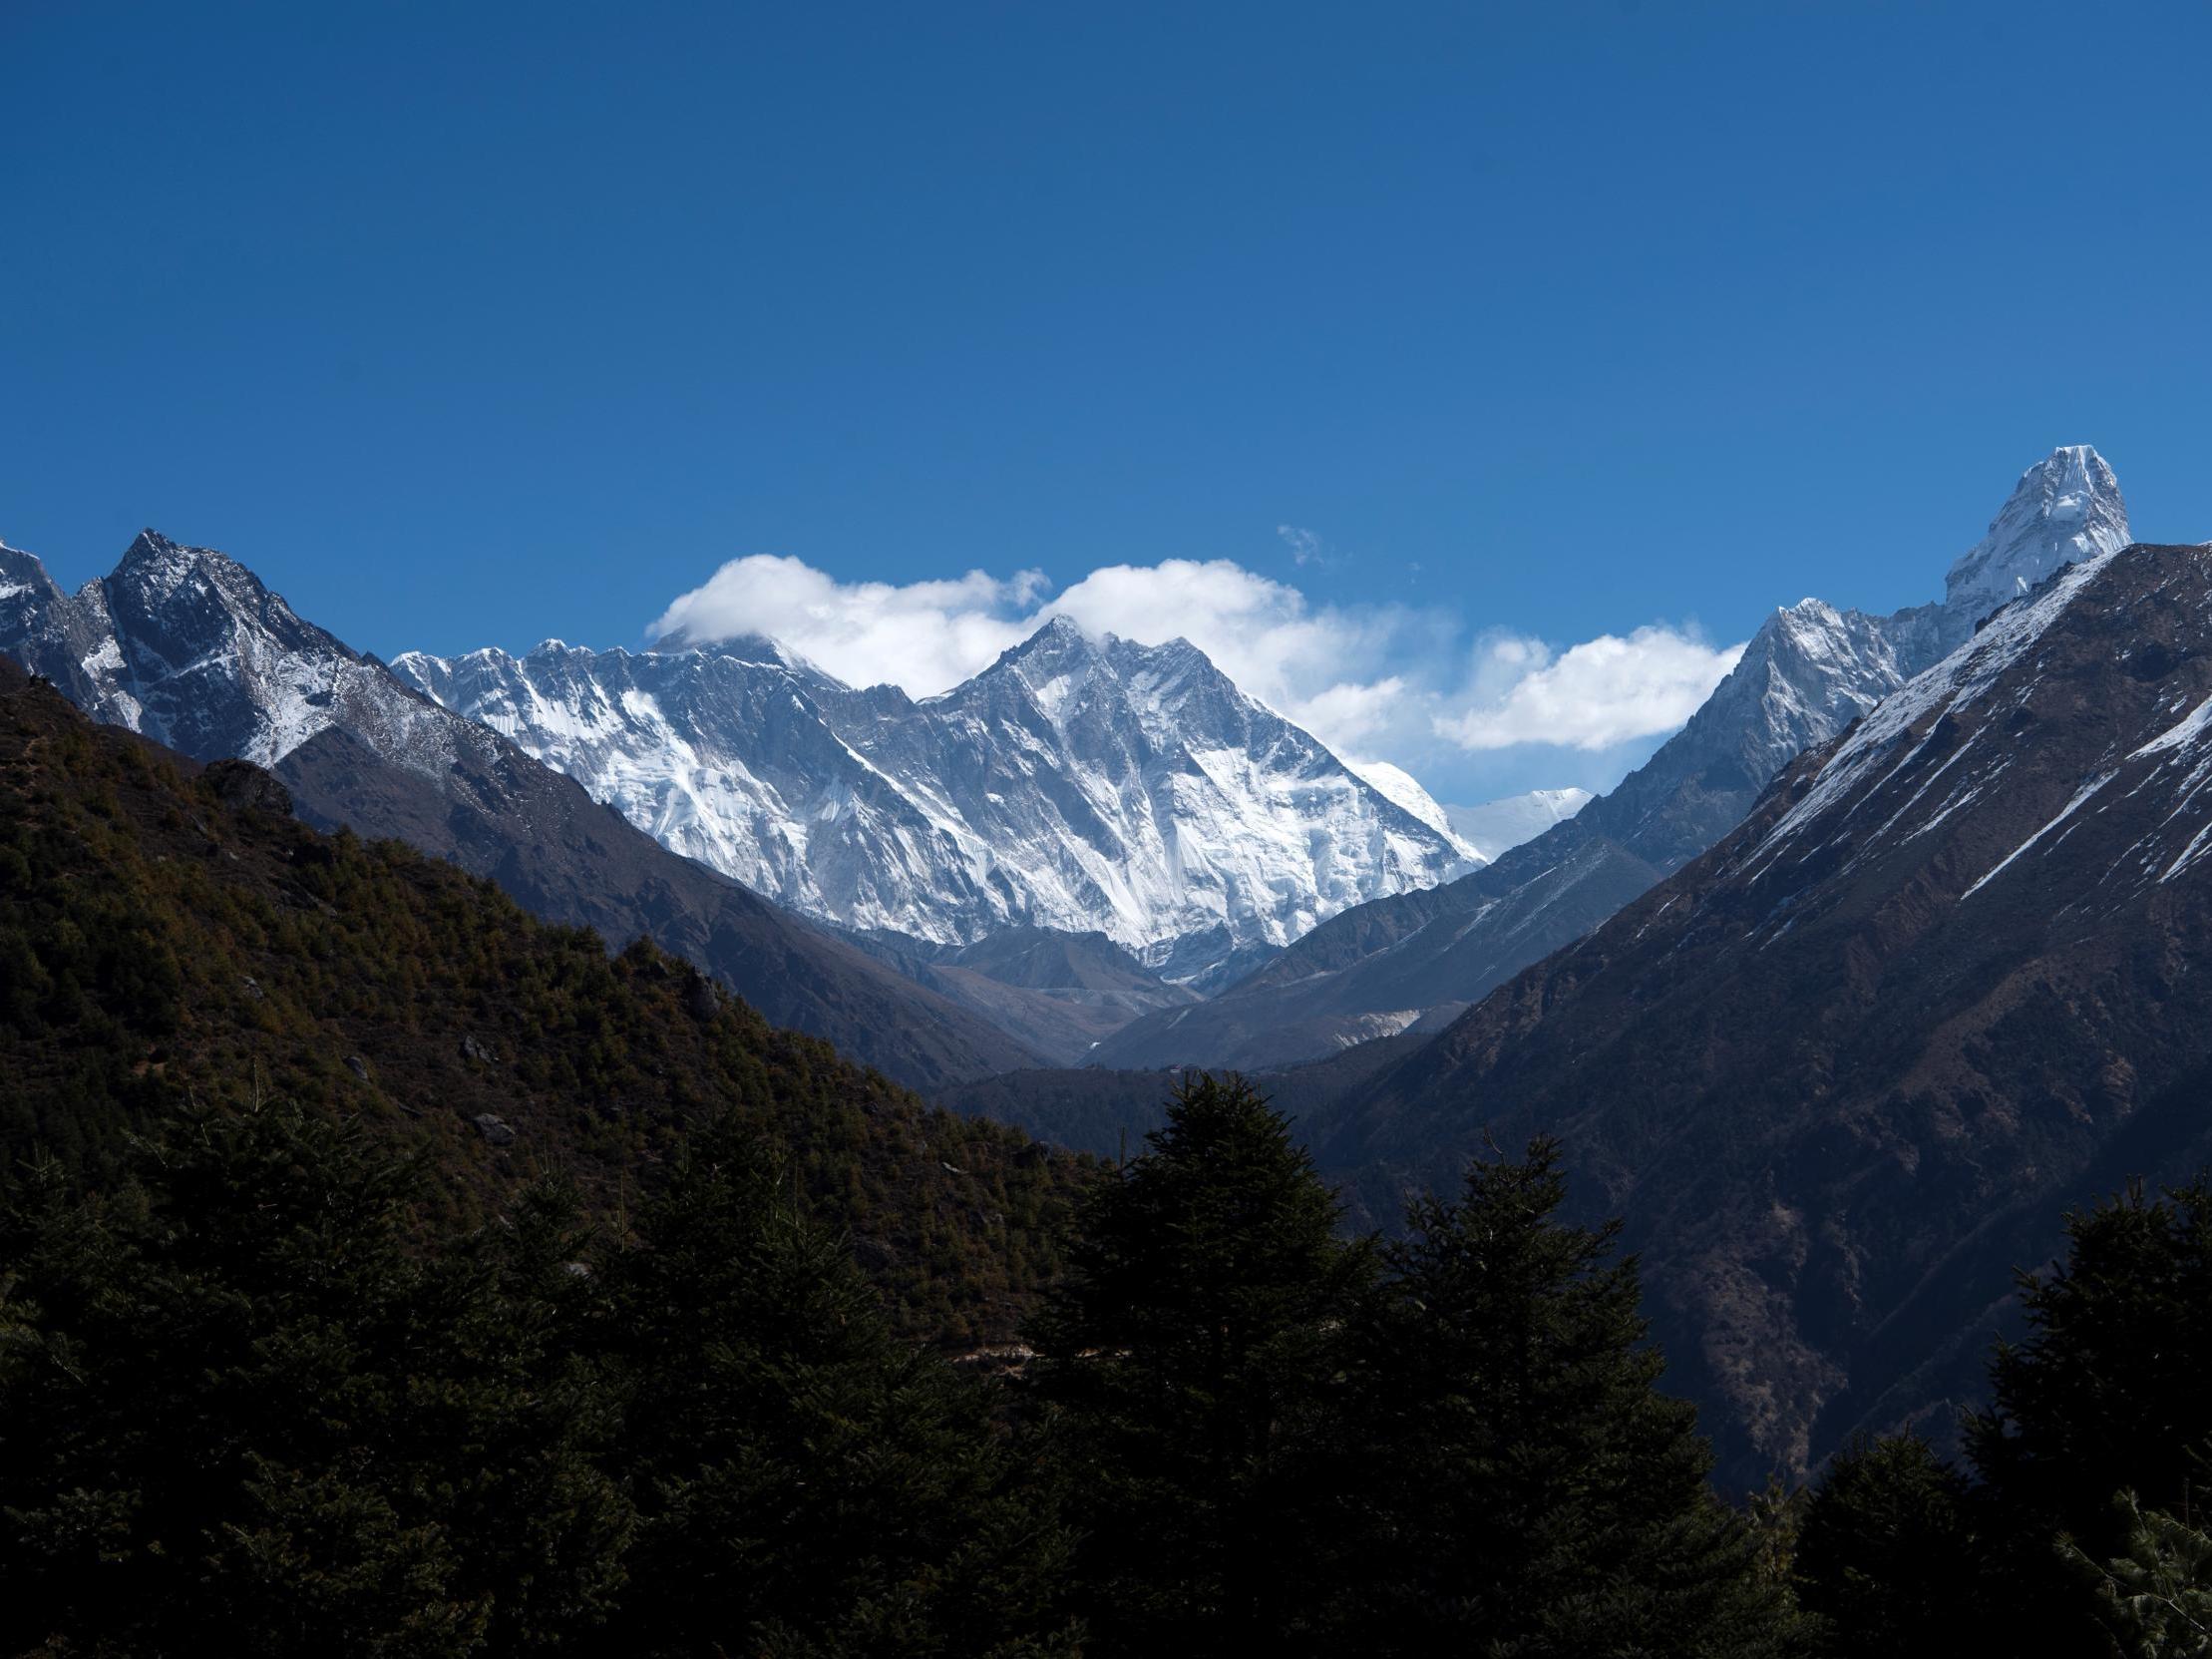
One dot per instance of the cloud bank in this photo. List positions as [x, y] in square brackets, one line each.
[1595, 696]
[1376, 682]
[926, 636]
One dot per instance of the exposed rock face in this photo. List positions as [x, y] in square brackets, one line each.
[188, 647]
[1808, 671]
[1846, 1069]
[1079, 784]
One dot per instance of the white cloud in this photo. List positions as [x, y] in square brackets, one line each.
[1355, 715]
[1597, 695]
[923, 635]
[1262, 633]
[1376, 682]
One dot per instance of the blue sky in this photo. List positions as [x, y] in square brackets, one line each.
[1535, 327]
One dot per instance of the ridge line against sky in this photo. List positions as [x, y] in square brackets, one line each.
[469, 325]
[1394, 682]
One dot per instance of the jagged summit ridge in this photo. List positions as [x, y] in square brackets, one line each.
[1812, 669]
[1081, 782]
[186, 645]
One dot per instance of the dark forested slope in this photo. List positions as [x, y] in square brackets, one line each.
[169, 933]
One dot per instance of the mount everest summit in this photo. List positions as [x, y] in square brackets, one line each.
[1079, 784]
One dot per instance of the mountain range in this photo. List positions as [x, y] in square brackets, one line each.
[1081, 784]
[1896, 949]
[1212, 884]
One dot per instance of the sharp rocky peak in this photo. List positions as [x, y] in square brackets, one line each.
[1057, 641]
[21, 564]
[187, 645]
[148, 544]
[1170, 655]
[2065, 508]
[154, 558]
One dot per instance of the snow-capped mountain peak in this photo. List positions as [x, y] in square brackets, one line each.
[188, 646]
[1055, 633]
[1813, 667]
[1057, 665]
[2065, 508]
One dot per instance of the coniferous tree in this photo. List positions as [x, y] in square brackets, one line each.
[2108, 1388]
[2156, 1595]
[1194, 1355]
[2107, 1392]
[204, 1419]
[1529, 1490]
[247, 1396]
[1886, 1555]
[512, 1406]
[808, 1484]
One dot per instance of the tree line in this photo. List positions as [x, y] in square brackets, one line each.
[243, 1400]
